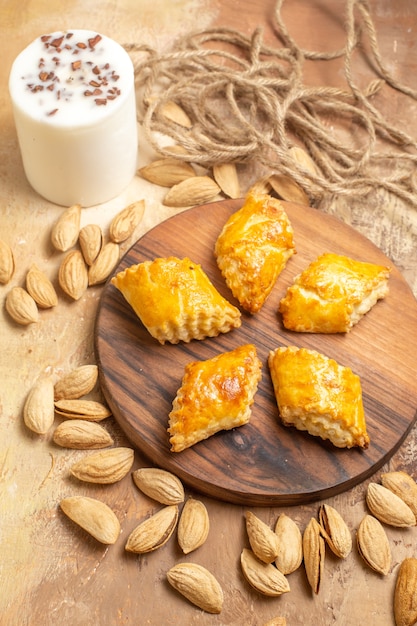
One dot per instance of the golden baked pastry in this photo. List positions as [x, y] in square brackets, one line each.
[333, 294]
[316, 394]
[175, 300]
[215, 395]
[253, 249]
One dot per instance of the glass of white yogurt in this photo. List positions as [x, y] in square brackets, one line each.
[73, 97]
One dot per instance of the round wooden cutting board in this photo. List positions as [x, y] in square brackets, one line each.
[263, 462]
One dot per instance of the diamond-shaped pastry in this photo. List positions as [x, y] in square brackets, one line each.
[216, 394]
[316, 394]
[175, 300]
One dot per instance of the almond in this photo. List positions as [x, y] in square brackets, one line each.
[405, 594]
[40, 288]
[76, 383]
[82, 409]
[90, 240]
[303, 158]
[314, 553]
[21, 306]
[194, 525]
[93, 516]
[388, 507]
[261, 186]
[104, 467]
[225, 175]
[403, 485]
[276, 621]
[263, 541]
[198, 585]
[73, 275]
[335, 531]
[153, 532]
[7, 264]
[65, 232]
[191, 192]
[290, 545]
[81, 435]
[263, 577]
[123, 224]
[160, 485]
[287, 189]
[104, 264]
[172, 111]
[38, 410]
[373, 545]
[167, 172]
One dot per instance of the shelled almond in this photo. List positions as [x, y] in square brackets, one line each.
[7, 264]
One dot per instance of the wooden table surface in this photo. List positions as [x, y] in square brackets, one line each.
[51, 572]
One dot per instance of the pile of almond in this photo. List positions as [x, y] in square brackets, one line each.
[89, 264]
[272, 554]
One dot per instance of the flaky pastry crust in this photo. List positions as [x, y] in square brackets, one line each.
[316, 394]
[216, 394]
[332, 294]
[175, 300]
[253, 249]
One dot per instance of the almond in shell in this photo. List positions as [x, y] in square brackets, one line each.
[303, 158]
[154, 532]
[225, 175]
[290, 545]
[76, 383]
[264, 577]
[198, 585]
[167, 172]
[104, 264]
[38, 410]
[405, 593]
[263, 541]
[191, 192]
[124, 223]
[65, 232]
[403, 485]
[21, 306]
[314, 553]
[73, 275]
[90, 240]
[335, 531]
[373, 545]
[105, 467]
[81, 435]
[91, 410]
[388, 507]
[159, 484]
[7, 264]
[172, 111]
[94, 516]
[287, 189]
[193, 526]
[40, 288]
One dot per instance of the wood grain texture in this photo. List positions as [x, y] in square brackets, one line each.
[263, 462]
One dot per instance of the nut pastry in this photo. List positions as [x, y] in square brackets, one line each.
[253, 249]
[316, 394]
[332, 294]
[215, 395]
[175, 300]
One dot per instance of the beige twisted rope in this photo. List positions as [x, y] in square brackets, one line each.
[248, 103]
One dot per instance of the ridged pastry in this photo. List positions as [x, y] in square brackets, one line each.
[215, 395]
[175, 300]
[253, 249]
[333, 294]
[316, 394]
